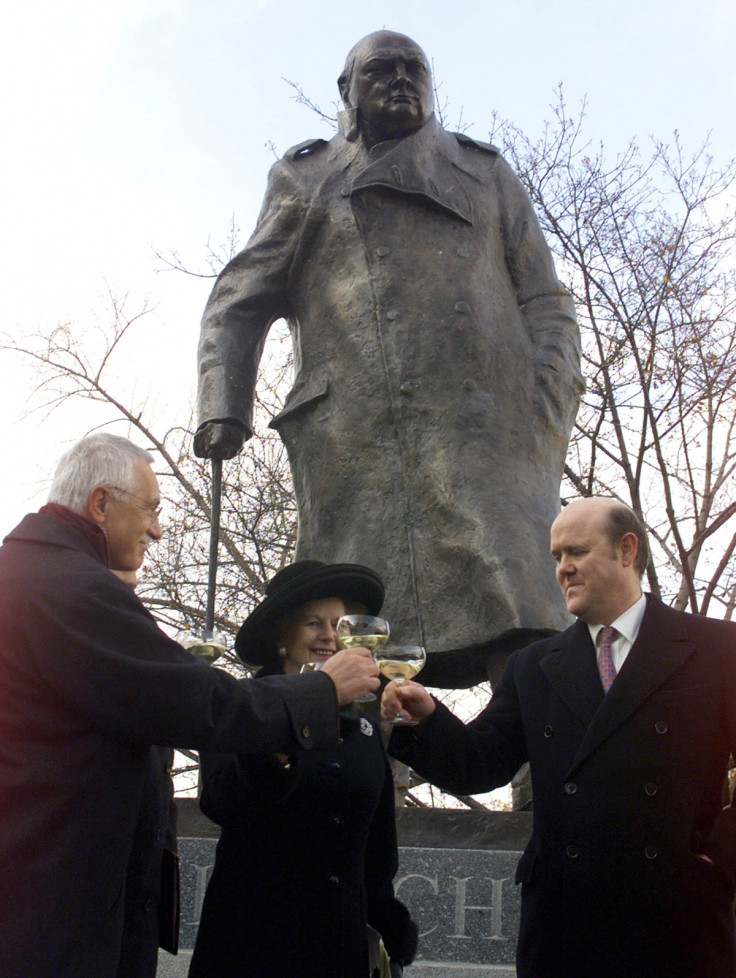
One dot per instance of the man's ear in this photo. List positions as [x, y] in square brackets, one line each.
[98, 502]
[343, 87]
[629, 545]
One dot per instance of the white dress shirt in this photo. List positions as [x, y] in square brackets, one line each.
[627, 625]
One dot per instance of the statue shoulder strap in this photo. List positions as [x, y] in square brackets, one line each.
[467, 142]
[307, 148]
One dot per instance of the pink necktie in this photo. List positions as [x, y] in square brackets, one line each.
[605, 657]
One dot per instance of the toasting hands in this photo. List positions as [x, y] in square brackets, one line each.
[411, 699]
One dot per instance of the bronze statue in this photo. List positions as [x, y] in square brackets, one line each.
[437, 364]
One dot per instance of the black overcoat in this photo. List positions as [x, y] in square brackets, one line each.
[627, 795]
[89, 683]
[306, 857]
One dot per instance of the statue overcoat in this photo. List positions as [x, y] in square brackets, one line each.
[436, 374]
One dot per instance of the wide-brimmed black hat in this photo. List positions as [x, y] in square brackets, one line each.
[294, 586]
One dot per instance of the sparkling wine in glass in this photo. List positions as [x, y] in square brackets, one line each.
[203, 643]
[363, 631]
[399, 663]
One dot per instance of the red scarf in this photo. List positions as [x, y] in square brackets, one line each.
[93, 533]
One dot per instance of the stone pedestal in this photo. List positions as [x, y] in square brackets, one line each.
[456, 874]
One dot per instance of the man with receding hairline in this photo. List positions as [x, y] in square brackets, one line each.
[628, 721]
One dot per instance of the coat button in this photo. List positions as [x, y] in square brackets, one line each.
[651, 852]
[572, 852]
[570, 788]
[345, 191]
[462, 307]
[334, 768]
[306, 731]
[383, 251]
[548, 731]
[469, 385]
[650, 789]
[463, 253]
[392, 314]
[336, 822]
[661, 727]
[334, 880]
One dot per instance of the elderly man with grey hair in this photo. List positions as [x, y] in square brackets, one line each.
[89, 684]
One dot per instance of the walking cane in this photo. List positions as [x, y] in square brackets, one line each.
[209, 618]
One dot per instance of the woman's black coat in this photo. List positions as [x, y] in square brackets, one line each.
[306, 857]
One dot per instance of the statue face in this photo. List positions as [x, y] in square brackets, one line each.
[391, 86]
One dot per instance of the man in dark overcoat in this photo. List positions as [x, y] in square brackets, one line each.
[436, 358]
[89, 684]
[631, 868]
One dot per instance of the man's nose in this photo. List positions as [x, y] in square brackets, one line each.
[401, 75]
[154, 530]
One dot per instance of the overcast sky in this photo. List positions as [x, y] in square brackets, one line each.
[147, 124]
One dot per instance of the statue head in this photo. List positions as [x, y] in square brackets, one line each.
[386, 85]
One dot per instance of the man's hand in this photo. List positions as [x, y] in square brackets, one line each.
[410, 699]
[353, 672]
[219, 439]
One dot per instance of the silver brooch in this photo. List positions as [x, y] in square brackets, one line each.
[366, 727]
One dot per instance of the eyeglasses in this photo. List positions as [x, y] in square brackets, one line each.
[150, 509]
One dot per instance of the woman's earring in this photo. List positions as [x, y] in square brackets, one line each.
[282, 651]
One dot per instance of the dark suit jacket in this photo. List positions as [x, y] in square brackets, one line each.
[627, 794]
[89, 684]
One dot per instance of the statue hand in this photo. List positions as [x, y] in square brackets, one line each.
[219, 439]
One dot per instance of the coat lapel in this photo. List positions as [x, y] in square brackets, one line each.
[421, 165]
[573, 674]
[661, 647]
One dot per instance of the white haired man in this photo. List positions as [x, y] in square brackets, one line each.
[90, 683]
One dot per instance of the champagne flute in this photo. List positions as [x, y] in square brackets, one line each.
[399, 663]
[364, 631]
[202, 642]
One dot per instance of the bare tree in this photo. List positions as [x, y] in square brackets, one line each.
[647, 246]
[259, 515]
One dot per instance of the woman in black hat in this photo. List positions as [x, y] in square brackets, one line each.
[307, 850]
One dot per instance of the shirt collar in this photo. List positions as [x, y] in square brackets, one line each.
[627, 624]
